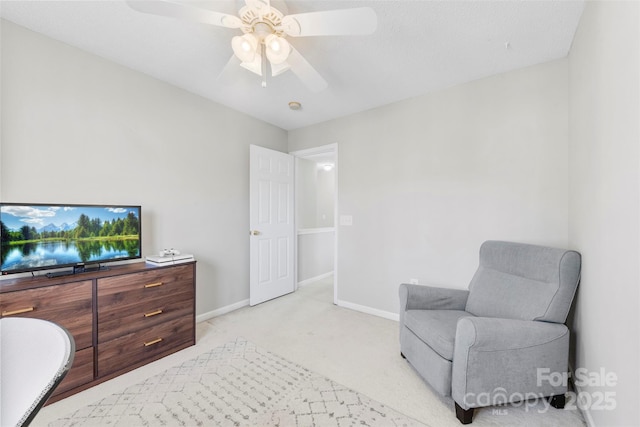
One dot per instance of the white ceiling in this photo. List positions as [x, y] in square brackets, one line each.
[418, 47]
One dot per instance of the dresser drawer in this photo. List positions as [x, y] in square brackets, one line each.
[127, 350]
[69, 305]
[148, 313]
[116, 292]
[81, 371]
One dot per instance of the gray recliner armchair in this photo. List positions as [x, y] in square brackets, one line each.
[501, 340]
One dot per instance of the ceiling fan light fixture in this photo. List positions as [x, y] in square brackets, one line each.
[245, 47]
[254, 66]
[263, 43]
[273, 42]
[277, 69]
[278, 49]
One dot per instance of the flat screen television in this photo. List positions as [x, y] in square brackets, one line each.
[54, 236]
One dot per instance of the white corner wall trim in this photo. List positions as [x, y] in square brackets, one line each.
[369, 310]
[220, 311]
[304, 231]
[315, 279]
[585, 412]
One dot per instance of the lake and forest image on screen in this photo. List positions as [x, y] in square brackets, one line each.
[48, 236]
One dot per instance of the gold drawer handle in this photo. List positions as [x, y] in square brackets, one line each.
[156, 341]
[22, 310]
[153, 313]
[153, 285]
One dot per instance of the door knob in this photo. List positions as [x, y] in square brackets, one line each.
[254, 232]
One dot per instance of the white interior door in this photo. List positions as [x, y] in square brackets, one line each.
[271, 222]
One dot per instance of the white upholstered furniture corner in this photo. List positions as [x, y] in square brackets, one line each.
[35, 355]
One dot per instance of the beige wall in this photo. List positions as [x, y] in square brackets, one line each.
[429, 179]
[80, 129]
[604, 211]
[315, 255]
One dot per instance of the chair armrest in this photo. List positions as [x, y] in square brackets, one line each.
[495, 334]
[506, 360]
[418, 297]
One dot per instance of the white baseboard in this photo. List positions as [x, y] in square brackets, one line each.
[369, 310]
[220, 311]
[315, 279]
[361, 308]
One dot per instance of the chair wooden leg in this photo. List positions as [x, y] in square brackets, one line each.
[557, 401]
[465, 416]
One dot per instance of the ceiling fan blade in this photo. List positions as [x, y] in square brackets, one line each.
[229, 73]
[357, 21]
[305, 72]
[186, 12]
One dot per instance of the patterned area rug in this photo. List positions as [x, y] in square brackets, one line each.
[237, 385]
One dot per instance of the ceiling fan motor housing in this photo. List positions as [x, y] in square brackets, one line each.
[261, 20]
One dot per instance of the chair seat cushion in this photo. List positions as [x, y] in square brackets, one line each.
[436, 328]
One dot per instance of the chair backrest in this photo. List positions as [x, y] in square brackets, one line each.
[527, 282]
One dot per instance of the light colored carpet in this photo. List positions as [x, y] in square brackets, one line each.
[357, 350]
[238, 384]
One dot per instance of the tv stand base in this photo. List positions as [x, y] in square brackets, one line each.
[77, 270]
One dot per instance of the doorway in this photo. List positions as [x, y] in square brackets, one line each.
[316, 206]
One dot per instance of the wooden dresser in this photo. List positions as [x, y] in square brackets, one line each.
[120, 319]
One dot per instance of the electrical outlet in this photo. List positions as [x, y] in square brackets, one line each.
[413, 281]
[346, 220]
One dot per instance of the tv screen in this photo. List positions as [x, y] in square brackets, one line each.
[52, 236]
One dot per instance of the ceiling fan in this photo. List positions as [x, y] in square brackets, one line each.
[265, 29]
